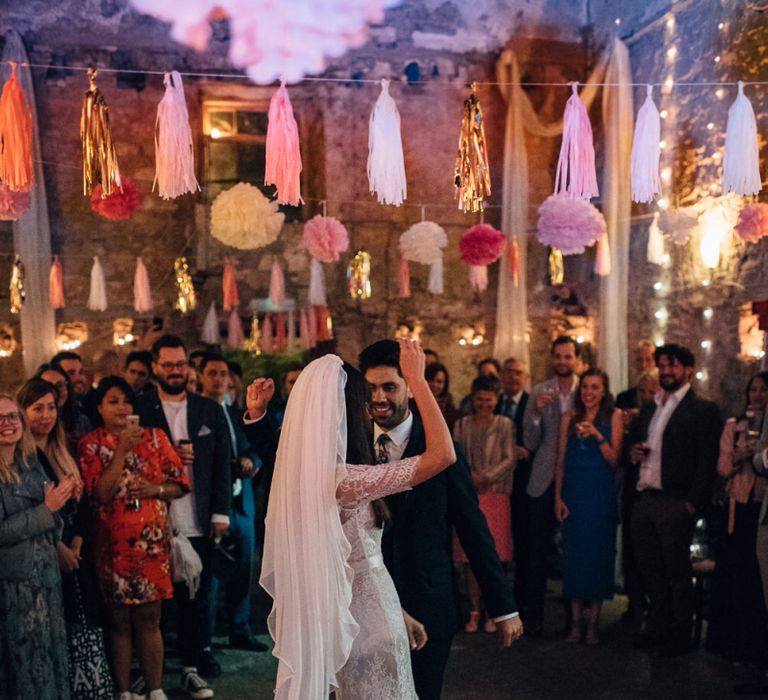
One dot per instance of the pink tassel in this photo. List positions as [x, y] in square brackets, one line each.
[229, 287]
[277, 285]
[324, 324]
[312, 326]
[56, 284]
[283, 158]
[478, 277]
[576, 174]
[304, 334]
[281, 332]
[603, 258]
[235, 336]
[267, 338]
[291, 330]
[513, 260]
[405, 279]
[142, 294]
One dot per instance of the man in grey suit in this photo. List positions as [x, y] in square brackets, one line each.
[541, 427]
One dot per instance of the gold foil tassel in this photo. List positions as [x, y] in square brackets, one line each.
[186, 299]
[17, 286]
[359, 275]
[99, 155]
[253, 344]
[472, 175]
[556, 267]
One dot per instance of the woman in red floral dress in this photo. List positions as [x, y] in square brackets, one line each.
[130, 474]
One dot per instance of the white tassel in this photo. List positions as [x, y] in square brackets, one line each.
[435, 284]
[210, 331]
[97, 299]
[386, 169]
[174, 155]
[235, 337]
[317, 293]
[277, 285]
[646, 152]
[741, 166]
[654, 252]
[478, 277]
[142, 294]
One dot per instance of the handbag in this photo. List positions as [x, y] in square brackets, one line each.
[89, 675]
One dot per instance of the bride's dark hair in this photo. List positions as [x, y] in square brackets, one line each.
[360, 432]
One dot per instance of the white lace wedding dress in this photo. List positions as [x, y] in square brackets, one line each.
[379, 665]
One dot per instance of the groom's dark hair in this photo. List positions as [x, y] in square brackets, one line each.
[381, 353]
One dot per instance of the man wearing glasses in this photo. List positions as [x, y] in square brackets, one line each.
[197, 427]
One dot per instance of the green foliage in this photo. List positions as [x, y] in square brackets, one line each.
[264, 365]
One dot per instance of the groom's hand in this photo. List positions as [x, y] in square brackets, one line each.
[257, 397]
[509, 630]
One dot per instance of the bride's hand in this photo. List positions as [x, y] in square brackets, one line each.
[417, 635]
[412, 362]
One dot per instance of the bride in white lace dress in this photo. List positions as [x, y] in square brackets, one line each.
[336, 618]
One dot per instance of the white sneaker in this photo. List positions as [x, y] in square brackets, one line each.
[195, 686]
[157, 695]
[127, 695]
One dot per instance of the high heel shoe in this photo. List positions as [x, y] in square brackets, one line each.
[473, 623]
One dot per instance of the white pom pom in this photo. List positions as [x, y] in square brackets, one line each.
[97, 299]
[244, 218]
[741, 166]
[386, 168]
[646, 152]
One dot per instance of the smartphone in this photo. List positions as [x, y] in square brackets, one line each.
[157, 323]
[133, 421]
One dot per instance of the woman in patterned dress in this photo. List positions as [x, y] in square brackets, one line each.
[130, 474]
[33, 638]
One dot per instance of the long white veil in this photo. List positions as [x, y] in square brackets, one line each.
[305, 566]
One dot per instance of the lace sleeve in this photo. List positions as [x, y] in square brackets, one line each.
[367, 483]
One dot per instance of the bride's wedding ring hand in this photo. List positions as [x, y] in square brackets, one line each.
[412, 361]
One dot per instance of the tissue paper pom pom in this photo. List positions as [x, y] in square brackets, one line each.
[753, 222]
[12, 204]
[325, 237]
[423, 243]
[481, 245]
[568, 224]
[118, 206]
[678, 225]
[244, 218]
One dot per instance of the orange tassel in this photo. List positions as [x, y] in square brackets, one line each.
[56, 284]
[15, 136]
[404, 279]
[513, 258]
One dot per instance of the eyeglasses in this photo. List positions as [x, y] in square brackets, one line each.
[168, 366]
[10, 418]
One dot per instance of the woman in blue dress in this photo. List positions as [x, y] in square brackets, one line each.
[586, 501]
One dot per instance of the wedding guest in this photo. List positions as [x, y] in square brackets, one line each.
[138, 370]
[72, 364]
[737, 627]
[235, 388]
[33, 637]
[439, 383]
[431, 357]
[288, 378]
[488, 441]
[586, 501]
[485, 368]
[131, 473]
[75, 423]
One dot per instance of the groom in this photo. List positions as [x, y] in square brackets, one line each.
[417, 546]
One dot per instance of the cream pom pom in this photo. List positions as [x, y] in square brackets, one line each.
[242, 217]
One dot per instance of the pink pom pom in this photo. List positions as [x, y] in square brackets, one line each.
[753, 222]
[569, 224]
[325, 237]
[481, 245]
[118, 206]
[12, 204]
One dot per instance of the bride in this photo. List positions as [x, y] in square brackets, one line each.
[336, 618]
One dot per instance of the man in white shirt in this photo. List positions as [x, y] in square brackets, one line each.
[197, 427]
[675, 444]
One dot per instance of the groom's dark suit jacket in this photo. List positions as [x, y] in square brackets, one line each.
[418, 552]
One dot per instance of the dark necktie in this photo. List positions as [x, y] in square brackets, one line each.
[382, 448]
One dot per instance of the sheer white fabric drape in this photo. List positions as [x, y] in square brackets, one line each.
[305, 566]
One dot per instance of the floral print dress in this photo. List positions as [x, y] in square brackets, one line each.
[131, 544]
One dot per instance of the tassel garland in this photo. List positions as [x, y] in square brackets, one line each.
[277, 284]
[472, 174]
[555, 267]
[142, 293]
[56, 285]
[235, 336]
[97, 299]
[304, 334]
[317, 293]
[186, 299]
[267, 340]
[386, 167]
[15, 136]
[603, 258]
[174, 156]
[404, 278]
[312, 325]
[741, 167]
[478, 277]
[280, 333]
[654, 251]
[291, 330]
[283, 157]
[435, 282]
[229, 287]
[210, 331]
[17, 291]
[576, 175]
[646, 151]
[99, 154]
[359, 275]
[254, 340]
